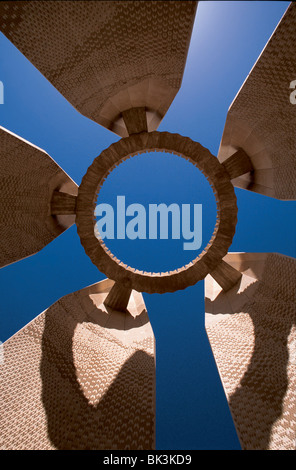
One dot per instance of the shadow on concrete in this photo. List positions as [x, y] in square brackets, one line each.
[265, 382]
[102, 316]
[121, 419]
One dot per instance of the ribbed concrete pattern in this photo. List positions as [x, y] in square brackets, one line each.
[199, 267]
[252, 333]
[80, 376]
[106, 56]
[262, 120]
[28, 177]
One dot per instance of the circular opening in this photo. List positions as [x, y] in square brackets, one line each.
[155, 212]
[200, 266]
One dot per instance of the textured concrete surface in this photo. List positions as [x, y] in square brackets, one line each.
[252, 332]
[80, 376]
[28, 178]
[106, 57]
[262, 120]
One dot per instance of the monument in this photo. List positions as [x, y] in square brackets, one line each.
[81, 375]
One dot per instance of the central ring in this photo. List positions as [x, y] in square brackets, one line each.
[198, 268]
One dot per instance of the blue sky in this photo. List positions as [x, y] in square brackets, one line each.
[192, 411]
